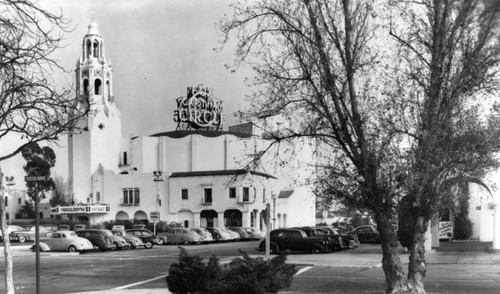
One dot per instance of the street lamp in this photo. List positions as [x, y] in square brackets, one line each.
[273, 196]
[157, 178]
[10, 183]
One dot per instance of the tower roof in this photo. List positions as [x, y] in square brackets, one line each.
[93, 29]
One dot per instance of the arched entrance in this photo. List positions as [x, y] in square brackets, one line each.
[232, 218]
[140, 217]
[208, 218]
[122, 216]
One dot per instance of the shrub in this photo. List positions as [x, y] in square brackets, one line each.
[244, 275]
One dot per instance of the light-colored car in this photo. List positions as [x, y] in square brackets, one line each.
[132, 241]
[243, 232]
[66, 241]
[28, 234]
[11, 228]
[204, 234]
[117, 240]
[218, 234]
[181, 236]
[233, 236]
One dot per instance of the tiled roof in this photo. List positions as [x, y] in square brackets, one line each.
[224, 172]
[285, 193]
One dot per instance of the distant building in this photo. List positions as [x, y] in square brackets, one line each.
[197, 175]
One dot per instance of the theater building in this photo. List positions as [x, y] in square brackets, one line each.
[200, 174]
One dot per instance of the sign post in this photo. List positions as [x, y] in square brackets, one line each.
[37, 179]
[268, 229]
[154, 216]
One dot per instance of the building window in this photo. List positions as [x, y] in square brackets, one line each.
[124, 158]
[263, 195]
[131, 196]
[246, 194]
[97, 87]
[19, 201]
[98, 196]
[6, 201]
[232, 192]
[184, 194]
[207, 195]
[186, 224]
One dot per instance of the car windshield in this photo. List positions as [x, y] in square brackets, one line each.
[118, 233]
[72, 234]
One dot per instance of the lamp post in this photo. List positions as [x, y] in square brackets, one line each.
[10, 183]
[157, 178]
[273, 196]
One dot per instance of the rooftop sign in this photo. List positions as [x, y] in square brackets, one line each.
[199, 110]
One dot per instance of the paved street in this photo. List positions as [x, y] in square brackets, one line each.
[452, 269]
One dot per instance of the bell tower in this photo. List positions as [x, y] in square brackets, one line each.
[95, 143]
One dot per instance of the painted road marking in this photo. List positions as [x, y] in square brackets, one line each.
[302, 270]
[140, 283]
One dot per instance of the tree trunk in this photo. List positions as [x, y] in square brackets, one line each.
[9, 280]
[395, 277]
[417, 266]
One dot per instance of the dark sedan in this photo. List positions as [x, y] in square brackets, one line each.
[146, 236]
[366, 234]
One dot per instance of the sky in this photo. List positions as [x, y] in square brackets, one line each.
[157, 48]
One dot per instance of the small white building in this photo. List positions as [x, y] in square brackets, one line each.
[197, 175]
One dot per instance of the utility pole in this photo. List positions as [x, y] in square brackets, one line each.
[157, 178]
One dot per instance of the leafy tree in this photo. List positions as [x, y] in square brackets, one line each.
[32, 107]
[60, 196]
[389, 92]
[27, 210]
[39, 161]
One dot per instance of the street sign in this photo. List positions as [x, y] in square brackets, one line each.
[154, 216]
[35, 178]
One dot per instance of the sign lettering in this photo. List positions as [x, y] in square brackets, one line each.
[199, 110]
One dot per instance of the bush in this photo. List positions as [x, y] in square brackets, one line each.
[244, 275]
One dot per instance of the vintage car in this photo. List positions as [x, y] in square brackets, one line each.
[99, 239]
[314, 232]
[146, 236]
[117, 240]
[67, 241]
[133, 241]
[28, 234]
[243, 232]
[218, 234]
[233, 236]
[182, 236]
[205, 235]
[350, 240]
[296, 240]
[11, 228]
[366, 234]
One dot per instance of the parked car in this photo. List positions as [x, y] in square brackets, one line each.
[243, 232]
[350, 240]
[11, 228]
[218, 234]
[64, 241]
[205, 235]
[336, 243]
[64, 227]
[99, 238]
[233, 236]
[182, 236]
[79, 227]
[366, 234]
[146, 236]
[296, 240]
[28, 234]
[117, 240]
[133, 241]
[255, 234]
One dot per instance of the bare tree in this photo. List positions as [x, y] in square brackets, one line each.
[31, 106]
[338, 72]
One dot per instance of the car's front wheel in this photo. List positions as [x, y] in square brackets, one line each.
[22, 239]
[317, 250]
[148, 244]
[274, 249]
[72, 249]
[96, 247]
[131, 245]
